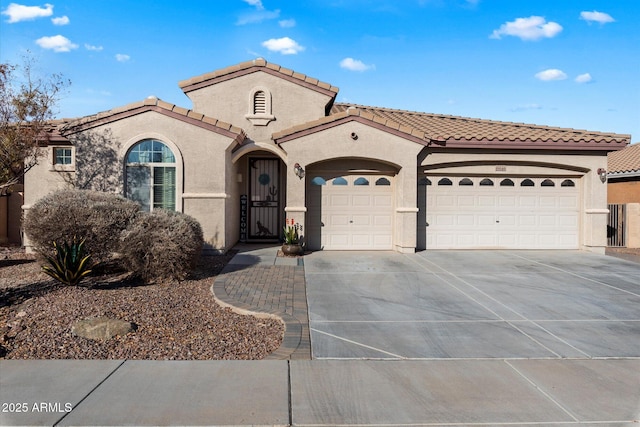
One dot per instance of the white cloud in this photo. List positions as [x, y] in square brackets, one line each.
[121, 57]
[596, 16]
[92, 47]
[287, 23]
[551, 74]
[257, 16]
[256, 3]
[583, 78]
[355, 65]
[63, 20]
[56, 43]
[284, 45]
[531, 28]
[17, 12]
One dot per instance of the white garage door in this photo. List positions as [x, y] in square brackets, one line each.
[499, 212]
[351, 212]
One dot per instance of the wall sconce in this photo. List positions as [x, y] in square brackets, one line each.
[297, 169]
[603, 174]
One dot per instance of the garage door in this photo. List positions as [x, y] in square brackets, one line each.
[350, 212]
[500, 212]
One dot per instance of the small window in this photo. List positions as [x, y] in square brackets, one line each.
[361, 181]
[547, 183]
[383, 181]
[339, 181]
[318, 180]
[259, 102]
[506, 183]
[527, 183]
[568, 183]
[424, 181]
[486, 182]
[465, 181]
[445, 181]
[62, 156]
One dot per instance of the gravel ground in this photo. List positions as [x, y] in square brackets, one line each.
[174, 321]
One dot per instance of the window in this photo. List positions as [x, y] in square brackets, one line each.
[486, 182]
[260, 102]
[383, 181]
[568, 183]
[465, 181]
[527, 183]
[339, 181]
[445, 181]
[547, 183]
[151, 175]
[506, 183]
[361, 181]
[62, 156]
[318, 180]
[424, 181]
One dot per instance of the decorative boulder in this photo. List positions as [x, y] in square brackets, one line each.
[101, 328]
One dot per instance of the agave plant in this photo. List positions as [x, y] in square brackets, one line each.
[70, 265]
[291, 235]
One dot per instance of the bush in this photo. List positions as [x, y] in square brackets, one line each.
[161, 245]
[97, 218]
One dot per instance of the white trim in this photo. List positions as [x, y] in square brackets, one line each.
[295, 209]
[596, 211]
[206, 196]
[407, 210]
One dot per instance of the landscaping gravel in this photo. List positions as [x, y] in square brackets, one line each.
[174, 320]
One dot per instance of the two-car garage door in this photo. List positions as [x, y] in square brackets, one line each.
[501, 212]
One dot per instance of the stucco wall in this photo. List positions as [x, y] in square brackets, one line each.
[620, 192]
[291, 103]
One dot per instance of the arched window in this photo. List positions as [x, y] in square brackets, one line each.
[318, 180]
[339, 181]
[486, 182]
[568, 183]
[424, 181]
[151, 175]
[465, 181]
[361, 181]
[526, 183]
[445, 181]
[383, 181]
[547, 183]
[506, 183]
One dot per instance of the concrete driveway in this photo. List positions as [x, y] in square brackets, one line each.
[472, 304]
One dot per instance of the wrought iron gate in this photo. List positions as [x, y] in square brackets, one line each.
[264, 199]
[615, 226]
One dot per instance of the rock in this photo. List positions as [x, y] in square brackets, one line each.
[101, 328]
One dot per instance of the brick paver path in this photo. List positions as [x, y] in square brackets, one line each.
[273, 289]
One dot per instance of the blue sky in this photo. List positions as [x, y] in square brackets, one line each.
[564, 63]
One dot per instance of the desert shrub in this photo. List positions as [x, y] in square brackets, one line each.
[96, 217]
[161, 245]
[70, 265]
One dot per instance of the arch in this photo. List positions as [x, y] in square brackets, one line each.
[568, 183]
[318, 180]
[465, 181]
[361, 181]
[339, 181]
[258, 146]
[493, 162]
[547, 183]
[506, 183]
[486, 182]
[527, 183]
[424, 181]
[259, 111]
[383, 181]
[445, 181]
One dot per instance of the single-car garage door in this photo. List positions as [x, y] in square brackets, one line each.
[501, 212]
[350, 212]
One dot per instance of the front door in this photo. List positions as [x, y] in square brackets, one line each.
[264, 199]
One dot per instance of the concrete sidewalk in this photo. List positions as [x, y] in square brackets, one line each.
[437, 392]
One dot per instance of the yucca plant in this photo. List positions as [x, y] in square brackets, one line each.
[291, 235]
[70, 264]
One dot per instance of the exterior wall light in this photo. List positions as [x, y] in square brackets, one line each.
[603, 174]
[297, 169]
[354, 136]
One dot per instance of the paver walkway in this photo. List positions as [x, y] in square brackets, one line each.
[257, 280]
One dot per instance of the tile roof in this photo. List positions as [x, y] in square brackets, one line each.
[460, 131]
[70, 126]
[626, 161]
[258, 64]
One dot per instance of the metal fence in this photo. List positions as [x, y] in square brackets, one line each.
[615, 226]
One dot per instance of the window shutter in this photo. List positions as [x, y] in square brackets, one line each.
[259, 103]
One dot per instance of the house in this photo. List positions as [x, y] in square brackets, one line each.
[264, 146]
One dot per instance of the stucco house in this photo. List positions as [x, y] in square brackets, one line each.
[263, 146]
[623, 176]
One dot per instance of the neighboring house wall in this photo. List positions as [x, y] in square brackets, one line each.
[623, 191]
